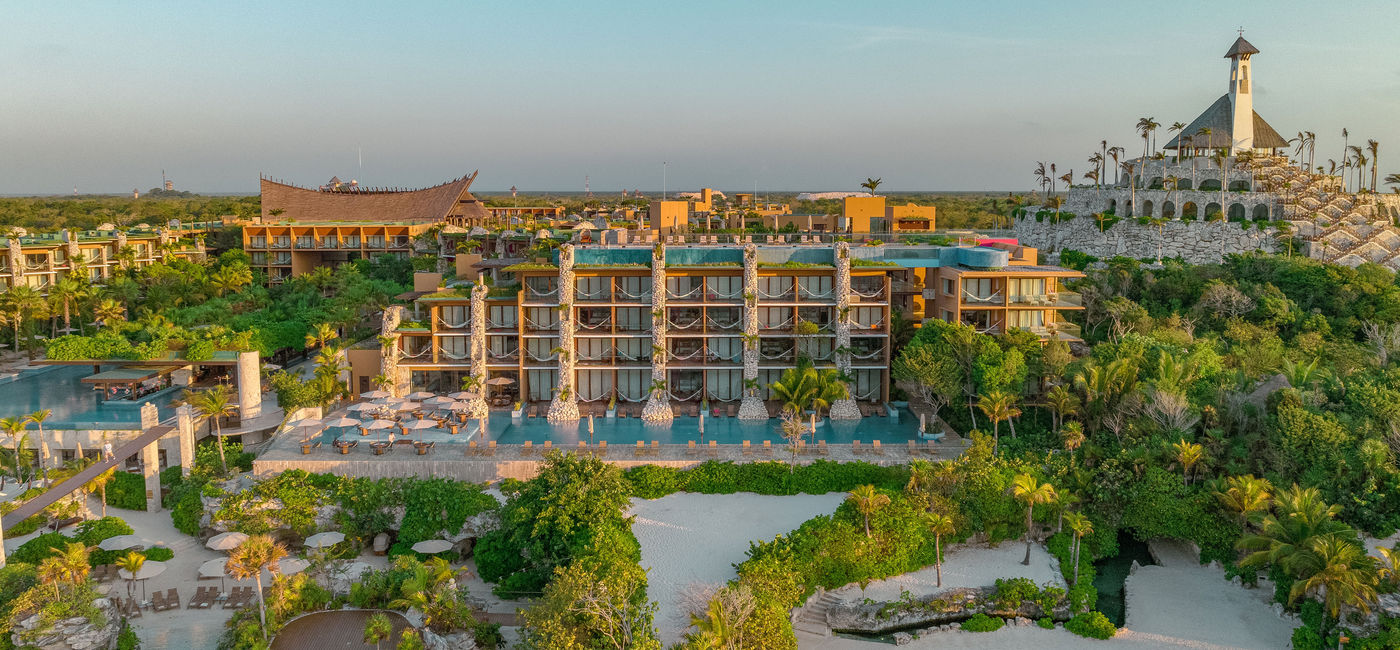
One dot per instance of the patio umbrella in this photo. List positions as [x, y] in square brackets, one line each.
[375, 394]
[389, 400]
[406, 406]
[363, 406]
[458, 406]
[440, 399]
[226, 541]
[292, 566]
[432, 546]
[150, 569]
[341, 422]
[375, 425]
[420, 395]
[305, 422]
[461, 395]
[215, 569]
[322, 540]
[500, 381]
[419, 424]
[121, 543]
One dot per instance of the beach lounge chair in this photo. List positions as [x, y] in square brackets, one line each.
[172, 598]
[714, 449]
[641, 449]
[532, 412]
[157, 602]
[821, 447]
[582, 447]
[491, 448]
[875, 447]
[855, 447]
[655, 448]
[129, 607]
[472, 449]
[690, 448]
[548, 445]
[913, 448]
[527, 448]
[748, 450]
[602, 448]
[733, 411]
[197, 598]
[767, 447]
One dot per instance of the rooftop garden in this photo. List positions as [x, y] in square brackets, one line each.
[531, 266]
[856, 261]
[793, 265]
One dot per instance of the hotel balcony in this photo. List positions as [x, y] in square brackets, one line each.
[532, 326]
[1063, 330]
[972, 300]
[1061, 299]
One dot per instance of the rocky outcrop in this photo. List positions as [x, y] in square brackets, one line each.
[751, 408]
[658, 406]
[950, 606]
[843, 409]
[564, 406]
[76, 633]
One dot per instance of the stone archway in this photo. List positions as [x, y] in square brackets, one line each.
[1137, 181]
[1183, 183]
[1212, 208]
[1188, 211]
[1261, 212]
[1210, 185]
[1168, 210]
[1130, 208]
[1112, 206]
[1236, 212]
[1155, 183]
[1239, 186]
[1147, 209]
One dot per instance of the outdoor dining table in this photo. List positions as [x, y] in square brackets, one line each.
[344, 446]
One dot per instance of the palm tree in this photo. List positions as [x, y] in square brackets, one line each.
[1031, 492]
[1340, 571]
[1072, 433]
[1097, 161]
[52, 572]
[1394, 181]
[98, 485]
[1052, 177]
[319, 334]
[377, 628]
[1080, 525]
[14, 428]
[1114, 153]
[1042, 177]
[939, 525]
[871, 184]
[1375, 148]
[1188, 455]
[1147, 126]
[999, 405]
[38, 418]
[108, 312]
[1245, 496]
[1285, 536]
[74, 560]
[132, 562]
[1061, 403]
[214, 404]
[230, 278]
[1132, 188]
[867, 501]
[1180, 141]
[64, 295]
[1103, 159]
[22, 302]
[248, 561]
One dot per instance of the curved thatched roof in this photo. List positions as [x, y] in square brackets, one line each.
[1220, 119]
[430, 204]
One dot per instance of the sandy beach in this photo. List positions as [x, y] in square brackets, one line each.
[964, 566]
[697, 538]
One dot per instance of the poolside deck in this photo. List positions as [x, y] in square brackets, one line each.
[459, 461]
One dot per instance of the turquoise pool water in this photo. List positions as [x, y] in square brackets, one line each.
[627, 431]
[75, 405]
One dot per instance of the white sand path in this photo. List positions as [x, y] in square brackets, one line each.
[964, 566]
[697, 538]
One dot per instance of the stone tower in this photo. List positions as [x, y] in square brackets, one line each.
[1241, 99]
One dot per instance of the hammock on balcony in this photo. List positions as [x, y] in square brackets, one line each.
[775, 356]
[677, 296]
[692, 323]
[873, 392]
[645, 295]
[697, 352]
[601, 324]
[728, 296]
[423, 352]
[595, 398]
[875, 294]
[786, 293]
[498, 325]
[689, 397]
[503, 355]
[530, 323]
[808, 294]
[531, 292]
[465, 323]
[724, 326]
[860, 325]
[584, 295]
[449, 355]
[716, 398]
[596, 357]
[872, 355]
[535, 357]
[828, 357]
[774, 326]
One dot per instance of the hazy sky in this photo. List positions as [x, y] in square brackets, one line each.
[802, 95]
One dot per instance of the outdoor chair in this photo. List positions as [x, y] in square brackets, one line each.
[131, 608]
[641, 449]
[801, 447]
[767, 447]
[157, 602]
[855, 447]
[690, 448]
[875, 447]
[423, 447]
[821, 447]
[548, 445]
[582, 447]
[602, 448]
[491, 448]
[748, 450]
[472, 449]
[172, 598]
[913, 448]
[655, 448]
[714, 449]
[527, 448]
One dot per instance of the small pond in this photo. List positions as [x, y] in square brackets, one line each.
[1112, 571]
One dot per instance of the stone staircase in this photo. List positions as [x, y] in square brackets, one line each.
[812, 617]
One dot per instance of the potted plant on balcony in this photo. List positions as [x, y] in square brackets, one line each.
[518, 412]
[612, 406]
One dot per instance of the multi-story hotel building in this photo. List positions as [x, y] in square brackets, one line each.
[285, 249]
[38, 261]
[597, 322]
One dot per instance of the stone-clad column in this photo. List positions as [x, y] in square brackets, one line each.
[249, 385]
[150, 468]
[184, 424]
[564, 406]
[476, 406]
[752, 407]
[843, 409]
[16, 262]
[658, 406]
[389, 349]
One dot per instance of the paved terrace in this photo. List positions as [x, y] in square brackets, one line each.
[462, 462]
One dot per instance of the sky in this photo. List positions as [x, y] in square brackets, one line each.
[785, 96]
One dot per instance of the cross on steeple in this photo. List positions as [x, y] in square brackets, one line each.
[1241, 31]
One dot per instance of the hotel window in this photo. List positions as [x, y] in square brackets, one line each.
[683, 288]
[257, 241]
[503, 348]
[724, 287]
[775, 288]
[541, 318]
[1022, 289]
[541, 383]
[374, 241]
[868, 384]
[814, 287]
[501, 316]
[774, 317]
[632, 385]
[456, 348]
[593, 349]
[978, 288]
[593, 288]
[726, 349]
[633, 319]
[352, 241]
[1028, 319]
[329, 241]
[456, 316]
[633, 288]
[594, 385]
[304, 241]
[949, 288]
[258, 258]
[540, 350]
[539, 287]
[867, 317]
[724, 385]
[633, 349]
[281, 241]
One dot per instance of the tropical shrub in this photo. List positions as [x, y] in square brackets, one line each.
[774, 478]
[1091, 624]
[982, 623]
[127, 491]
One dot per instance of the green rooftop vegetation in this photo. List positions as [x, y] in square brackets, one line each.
[531, 266]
